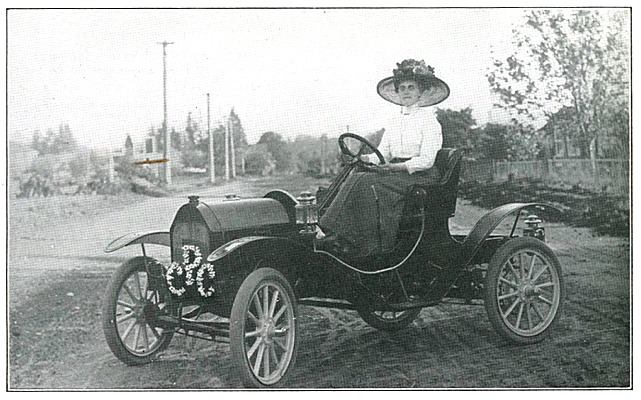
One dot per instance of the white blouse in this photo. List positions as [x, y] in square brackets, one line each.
[414, 133]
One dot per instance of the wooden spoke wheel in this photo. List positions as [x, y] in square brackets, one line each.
[129, 315]
[262, 334]
[524, 290]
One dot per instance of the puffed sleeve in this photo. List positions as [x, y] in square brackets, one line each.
[430, 145]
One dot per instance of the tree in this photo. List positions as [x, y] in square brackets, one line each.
[194, 149]
[313, 156]
[65, 141]
[279, 149]
[53, 142]
[36, 142]
[159, 138]
[502, 143]
[271, 139]
[218, 133]
[573, 58]
[240, 140]
[129, 146]
[237, 144]
[259, 160]
[456, 126]
[176, 140]
[192, 136]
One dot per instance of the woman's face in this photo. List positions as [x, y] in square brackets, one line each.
[409, 92]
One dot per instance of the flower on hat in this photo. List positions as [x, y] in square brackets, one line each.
[434, 90]
[411, 66]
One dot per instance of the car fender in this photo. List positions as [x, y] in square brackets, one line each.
[240, 257]
[154, 237]
[486, 225]
[260, 247]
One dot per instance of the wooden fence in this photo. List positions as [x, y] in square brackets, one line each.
[609, 175]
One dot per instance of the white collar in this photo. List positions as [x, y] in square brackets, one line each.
[410, 110]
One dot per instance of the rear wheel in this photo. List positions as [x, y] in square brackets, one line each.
[389, 320]
[129, 315]
[524, 290]
[262, 333]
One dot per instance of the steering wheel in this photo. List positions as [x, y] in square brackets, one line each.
[364, 145]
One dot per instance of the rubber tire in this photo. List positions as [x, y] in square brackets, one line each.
[389, 326]
[502, 255]
[126, 270]
[237, 326]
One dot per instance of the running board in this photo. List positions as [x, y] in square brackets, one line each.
[409, 305]
[327, 303]
[346, 305]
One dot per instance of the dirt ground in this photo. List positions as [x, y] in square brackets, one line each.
[58, 273]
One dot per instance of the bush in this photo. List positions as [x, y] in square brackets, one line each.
[77, 173]
[194, 158]
[605, 214]
[36, 185]
[259, 161]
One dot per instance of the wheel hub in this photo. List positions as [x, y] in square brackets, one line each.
[150, 312]
[143, 311]
[527, 290]
[268, 331]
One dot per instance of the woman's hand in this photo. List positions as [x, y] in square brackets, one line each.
[347, 159]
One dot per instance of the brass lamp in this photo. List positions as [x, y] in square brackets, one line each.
[533, 229]
[307, 212]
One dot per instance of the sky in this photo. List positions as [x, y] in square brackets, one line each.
[290, 71]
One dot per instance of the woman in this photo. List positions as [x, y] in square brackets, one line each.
[366, 213]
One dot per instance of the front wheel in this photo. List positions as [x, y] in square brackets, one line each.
[389, 321]
[262, 333]
[129, 315]
[524, 290]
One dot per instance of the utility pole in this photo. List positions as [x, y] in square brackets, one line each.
[212, 171]
[232, 149]
[227, 129]
[167, 150]
[323, 170]
[110, 175]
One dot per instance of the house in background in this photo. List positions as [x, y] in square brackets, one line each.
[600, 163]
[564, 139]
[562, 135]
[146, 150]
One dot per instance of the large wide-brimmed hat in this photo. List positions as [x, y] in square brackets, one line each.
[435, 89]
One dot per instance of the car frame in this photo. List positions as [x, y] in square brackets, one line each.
[247, 264]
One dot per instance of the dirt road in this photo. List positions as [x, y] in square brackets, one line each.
[58, 272]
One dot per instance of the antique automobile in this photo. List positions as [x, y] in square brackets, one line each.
[241, 267]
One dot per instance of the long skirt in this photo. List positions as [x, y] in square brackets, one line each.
[367, 210]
